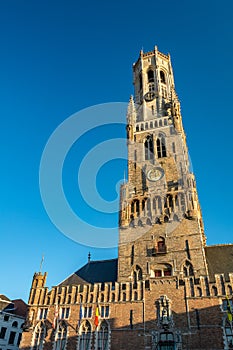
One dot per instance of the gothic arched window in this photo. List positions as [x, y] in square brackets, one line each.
[161, 147]
[162, 77]
[188, 269]
[60, 337]
[103, 337]
[150, 76]
[137, 275]
[38, 337]
[149, 148]
[84, 341]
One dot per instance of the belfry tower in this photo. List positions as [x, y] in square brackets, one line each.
[161, 229]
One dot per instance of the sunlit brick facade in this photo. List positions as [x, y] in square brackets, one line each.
[167, 289]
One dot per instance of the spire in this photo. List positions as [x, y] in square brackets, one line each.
[41, 263]
[131, 112]
[89, 257]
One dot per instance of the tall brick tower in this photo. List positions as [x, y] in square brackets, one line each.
[167, 289]
[161, 230]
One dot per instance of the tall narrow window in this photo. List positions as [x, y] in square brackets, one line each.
[3, 332]
[103, 337]
[84, 341]
[162, 77]
[149, 148]
[38, 337]
[188, 269]
[137, 275]
[11, 338]
[214, 291]
[150, 76]
[161, 245]
[161, 147]
[60, 337]
[192, 287]
[132, 255]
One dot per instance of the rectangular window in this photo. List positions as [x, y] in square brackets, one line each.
[158, 273]
[90, 311]
[65, 312]
[3, 332]
[87, 312]
[12, 338]
[42, 314]
[104, 311]
[107, 311]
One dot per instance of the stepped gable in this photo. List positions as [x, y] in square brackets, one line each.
[219, 260]
[94, 272]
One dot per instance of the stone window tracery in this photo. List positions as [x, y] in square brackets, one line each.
[85, 335]
[103, 337]
[60, 337]
[137, 275]
[188, 269]
[150, 76]
[161, 147]
[38, 336]
[149, 148]
[162, 77]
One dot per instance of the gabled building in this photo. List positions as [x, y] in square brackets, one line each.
[167, 289]
[12, 317]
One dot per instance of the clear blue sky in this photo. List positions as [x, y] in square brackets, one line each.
[58, 57]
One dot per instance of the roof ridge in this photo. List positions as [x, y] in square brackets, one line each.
[93, 261]
[219, 245]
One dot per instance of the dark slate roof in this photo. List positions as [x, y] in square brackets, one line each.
[16, 307]
[94, 272]
[219, 259]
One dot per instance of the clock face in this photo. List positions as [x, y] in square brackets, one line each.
[155, 174]
[150, 96]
